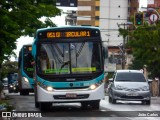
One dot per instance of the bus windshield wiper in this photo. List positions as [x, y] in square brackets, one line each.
[64, 64]
[80, 49]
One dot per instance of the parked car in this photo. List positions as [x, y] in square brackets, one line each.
[129, 85]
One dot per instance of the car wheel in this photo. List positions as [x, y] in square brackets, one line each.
[110, 99]
[148, 102]
[143, 102]
[114, 101]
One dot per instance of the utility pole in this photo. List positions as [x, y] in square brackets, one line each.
[122, 45]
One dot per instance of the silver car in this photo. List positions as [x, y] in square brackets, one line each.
[129, 85]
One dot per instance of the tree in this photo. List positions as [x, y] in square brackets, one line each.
[145, 44]
[20, 18]
[9, 67]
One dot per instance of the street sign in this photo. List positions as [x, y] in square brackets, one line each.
[153, 18]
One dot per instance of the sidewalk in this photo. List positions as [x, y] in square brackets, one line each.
[156, 100]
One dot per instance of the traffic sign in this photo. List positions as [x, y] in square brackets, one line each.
[153, 18]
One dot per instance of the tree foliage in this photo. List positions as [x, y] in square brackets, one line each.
[22, 17]
[9, 67]
[145, 44]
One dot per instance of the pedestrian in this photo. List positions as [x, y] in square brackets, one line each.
[145, 72]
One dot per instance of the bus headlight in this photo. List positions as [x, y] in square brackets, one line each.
[25, 79]
[50, 89]
[94, 86]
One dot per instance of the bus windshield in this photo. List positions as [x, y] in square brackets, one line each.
[69, 58]
[28, 67]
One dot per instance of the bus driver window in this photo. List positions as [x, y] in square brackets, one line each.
[43, 61]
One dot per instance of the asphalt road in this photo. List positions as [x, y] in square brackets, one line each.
[123, 110]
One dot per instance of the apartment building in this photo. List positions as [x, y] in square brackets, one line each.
[88, 12]
[153, 3]
[109, 16]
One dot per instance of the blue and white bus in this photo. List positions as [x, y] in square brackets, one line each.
[69, 66]
[25, 70]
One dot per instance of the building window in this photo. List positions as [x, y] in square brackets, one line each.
[97, 8]
[97, 17]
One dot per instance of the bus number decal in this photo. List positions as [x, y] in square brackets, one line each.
[53, 34]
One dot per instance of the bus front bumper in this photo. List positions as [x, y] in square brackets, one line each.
[59, 96]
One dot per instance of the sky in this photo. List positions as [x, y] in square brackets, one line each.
[59, 21]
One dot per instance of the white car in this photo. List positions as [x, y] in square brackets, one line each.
[129, 85]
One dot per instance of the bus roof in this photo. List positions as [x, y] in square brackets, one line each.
[69, 27]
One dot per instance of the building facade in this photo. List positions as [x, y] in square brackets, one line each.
[153, 3]
[109, 16]
[88, 12]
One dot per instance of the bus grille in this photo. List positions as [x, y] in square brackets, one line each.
[82, 96]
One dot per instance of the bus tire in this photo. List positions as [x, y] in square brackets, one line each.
[45, 106]
[36, 104]
[24, 92]
[84, 105]
[95, 104]
[21, 92]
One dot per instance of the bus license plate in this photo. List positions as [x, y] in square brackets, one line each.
[71, 95]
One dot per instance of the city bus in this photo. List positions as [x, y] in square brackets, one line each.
[69, 66]
[25, 70]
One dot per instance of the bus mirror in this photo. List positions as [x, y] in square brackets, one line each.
[34, 51]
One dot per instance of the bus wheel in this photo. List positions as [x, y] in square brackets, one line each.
[45, 106]
[95, 104]
[24, 92]
[84, 105]
[36, 104]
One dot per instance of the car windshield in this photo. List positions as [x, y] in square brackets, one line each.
[130, 77]
[67, 58]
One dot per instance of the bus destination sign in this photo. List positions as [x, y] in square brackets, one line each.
[68, 34]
